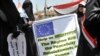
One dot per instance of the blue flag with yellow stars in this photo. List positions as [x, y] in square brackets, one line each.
[44, 29]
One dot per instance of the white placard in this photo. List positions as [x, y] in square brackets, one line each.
[57, 36]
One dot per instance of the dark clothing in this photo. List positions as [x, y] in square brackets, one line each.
[89, 6]
[9, 26]
[4, 30]
[83, 47]
[31, 45]
[92, 22]
[13, 18]
[27, 6]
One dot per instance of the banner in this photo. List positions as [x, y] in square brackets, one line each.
[67, 7]
[17, 46]
[57, 36]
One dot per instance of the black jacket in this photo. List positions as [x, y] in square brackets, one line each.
[92, 22]
[7, 23]
[11, 13]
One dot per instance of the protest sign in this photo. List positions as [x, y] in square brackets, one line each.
[17, 46]
[57, 36]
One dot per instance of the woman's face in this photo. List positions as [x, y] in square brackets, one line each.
[82, 9]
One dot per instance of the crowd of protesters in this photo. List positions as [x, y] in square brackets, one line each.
[10, 18]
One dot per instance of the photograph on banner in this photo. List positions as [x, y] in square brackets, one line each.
[57, 36]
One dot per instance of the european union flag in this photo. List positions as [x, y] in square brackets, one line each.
[44, 29]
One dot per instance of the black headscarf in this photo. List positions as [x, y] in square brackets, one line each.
[80, 14]
[28, 7]
[11, 13]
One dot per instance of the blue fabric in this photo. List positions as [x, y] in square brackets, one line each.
[44, 29]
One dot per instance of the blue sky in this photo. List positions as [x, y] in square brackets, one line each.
[40, 3]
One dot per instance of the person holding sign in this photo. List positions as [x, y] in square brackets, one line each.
[31, 46]
[9, 20]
